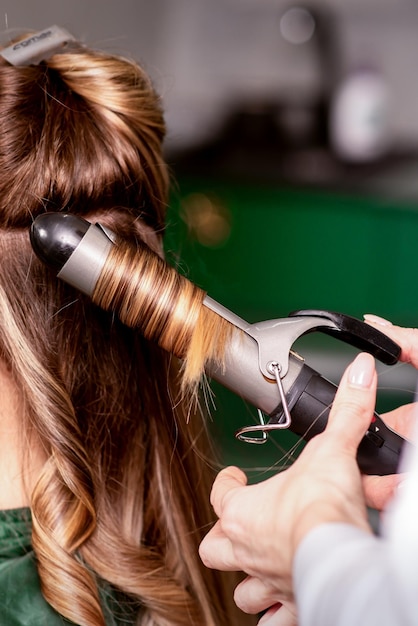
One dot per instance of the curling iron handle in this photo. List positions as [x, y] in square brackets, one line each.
[313, 395]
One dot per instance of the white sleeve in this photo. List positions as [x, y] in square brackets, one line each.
[344, 576]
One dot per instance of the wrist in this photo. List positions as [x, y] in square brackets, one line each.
[323, 513]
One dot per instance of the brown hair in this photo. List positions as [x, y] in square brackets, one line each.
[148, 294]
[123, 496]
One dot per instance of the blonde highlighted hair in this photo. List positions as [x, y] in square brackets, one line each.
[146, 293]
[123, 499]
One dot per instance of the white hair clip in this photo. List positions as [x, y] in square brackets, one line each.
[37, 47]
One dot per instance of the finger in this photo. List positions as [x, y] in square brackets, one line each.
[216, 551]
[279, 615]
[271, 612]
[406, 338]
[228, 479]
[403, 419]
[354, 403]
[379, 490]
[252, 595]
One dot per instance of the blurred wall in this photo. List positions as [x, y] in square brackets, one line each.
[222, 50]
[129, 27]
[206, 54]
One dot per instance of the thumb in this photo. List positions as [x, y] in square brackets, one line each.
[226, 481]
[354, 403]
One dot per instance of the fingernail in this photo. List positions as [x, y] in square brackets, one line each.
[375, 319]
[361, 371]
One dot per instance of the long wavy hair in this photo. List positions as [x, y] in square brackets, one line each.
[123, 499]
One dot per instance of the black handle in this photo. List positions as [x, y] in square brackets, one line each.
[356, 333]
[310, 399]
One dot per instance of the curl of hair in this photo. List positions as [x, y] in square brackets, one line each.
[123, 496]
[148, 294]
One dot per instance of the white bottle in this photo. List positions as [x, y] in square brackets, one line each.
[359, 124]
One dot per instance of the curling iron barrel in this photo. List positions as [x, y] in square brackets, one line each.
[259, 363]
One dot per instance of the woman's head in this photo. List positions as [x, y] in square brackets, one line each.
[80, 132]
[123, 488]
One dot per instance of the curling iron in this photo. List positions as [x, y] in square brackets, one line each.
[260, 365]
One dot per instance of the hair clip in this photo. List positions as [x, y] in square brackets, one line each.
[37, 47]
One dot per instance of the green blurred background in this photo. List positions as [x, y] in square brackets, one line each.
[264, 250]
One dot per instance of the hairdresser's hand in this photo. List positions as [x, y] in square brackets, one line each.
[260, 526]
[406, 338]
[380, 489]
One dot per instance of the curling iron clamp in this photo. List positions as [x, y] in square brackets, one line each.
[260, 365]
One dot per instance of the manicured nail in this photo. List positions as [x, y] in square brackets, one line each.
[361, 371]
[375, 319]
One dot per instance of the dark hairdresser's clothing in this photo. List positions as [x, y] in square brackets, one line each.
[21, 601]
